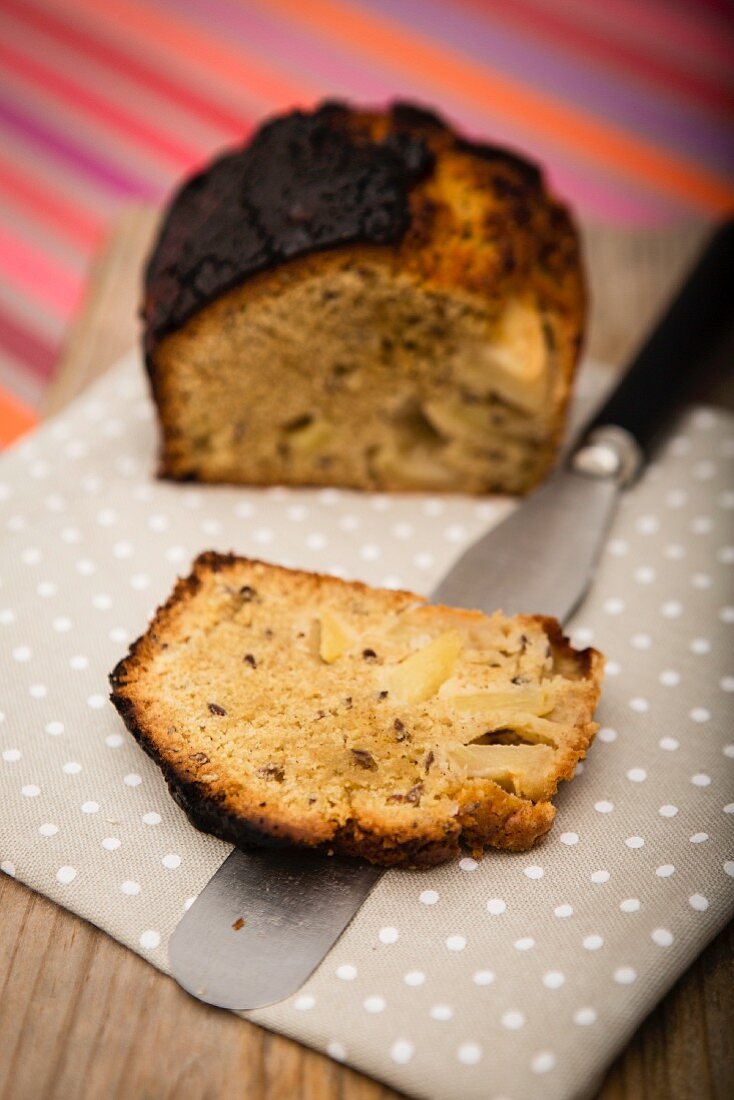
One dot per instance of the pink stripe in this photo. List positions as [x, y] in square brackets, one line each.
[26, 346]
[53, 286]
[175, 153]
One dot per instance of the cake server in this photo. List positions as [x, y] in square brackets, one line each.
[269, 916]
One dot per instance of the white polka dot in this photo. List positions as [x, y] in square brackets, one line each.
[647, 525]
[496, 906]
[533, 871]
[150, 939]
[96, 701]
[423, 560]
[388, 934]
[637, 775]
[607, 734]
[630, 905]
[700, 646]
[699, 714]
[66, 874]
[414, 978]
[563, 911]
[46, 589]
[48, 829]
[513, 1019]
[701, 580]
[625, 975]
[113, 740]
[728, 866]
[700, 779]
[90, 807]
[702, 525]
[38, 691]
[725, 555]
[139, 581]
[639, 705]
[101, 601]
[30, 790]
[316, 541]
[603, 806]
[171, 861]
[263, 535]
[726, 614]
[553, 979]
[468, 864]
[668, 810]
[370, 552]
[151, 818]
[599, 877]
[129, 887]
[483, 977]
[337, 1051]
[569, 838]
[22, 653]
[455, 533]
[10, 756]
[72, 767]
[428, 897]
[132, 780]
[674, 552]
[543, 1062]
[672, 609]
[641, 641]
[613, 668]
[698, 902]
[525, 943]
[469, 1054]
[669, 744]
[402, 1051]
[618, 547]
[111, 843]
[78, 662]
[665, 870]
[726, 683]
[441, 1012]
[593, 943]
[635, 842]
[455, 943]
[663, 937]
[584, 1017]
[644, 574]
[669, 677]
[676, 498]
[728, 750]
[699, 838]
[346, 972]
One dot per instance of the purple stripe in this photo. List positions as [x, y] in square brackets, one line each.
[76, 156]
[665, 121]
[596, 191]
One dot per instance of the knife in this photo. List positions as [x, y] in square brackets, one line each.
[268, 917]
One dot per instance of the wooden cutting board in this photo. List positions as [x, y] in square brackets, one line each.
[82, 1017]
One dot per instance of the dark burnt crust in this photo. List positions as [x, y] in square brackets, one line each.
[304, 183]
[475, 825]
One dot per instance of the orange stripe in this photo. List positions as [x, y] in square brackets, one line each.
[385, 44]
[238, 67]
[15, 419]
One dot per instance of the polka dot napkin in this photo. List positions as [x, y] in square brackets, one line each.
[516, 976]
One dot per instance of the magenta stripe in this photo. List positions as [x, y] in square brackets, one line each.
[593, 192]
[625, 100]
[76, 156]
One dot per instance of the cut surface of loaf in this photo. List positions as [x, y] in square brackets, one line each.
[290, 707]
[365, 299]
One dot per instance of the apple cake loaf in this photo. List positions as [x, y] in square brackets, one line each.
[368, 299]
[287, 707]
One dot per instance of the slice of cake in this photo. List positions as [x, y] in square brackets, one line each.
[364, 298]
[290, 707]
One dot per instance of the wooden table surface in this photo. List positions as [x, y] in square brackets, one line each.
[82, 1018]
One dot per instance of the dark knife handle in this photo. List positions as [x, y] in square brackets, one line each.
[695, 319]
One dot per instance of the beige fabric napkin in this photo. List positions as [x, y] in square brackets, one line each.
[518, 976]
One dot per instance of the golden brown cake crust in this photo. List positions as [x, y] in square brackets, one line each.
[461, 223]
[384, 817]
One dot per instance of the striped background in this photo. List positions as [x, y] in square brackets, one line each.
[630, 104]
